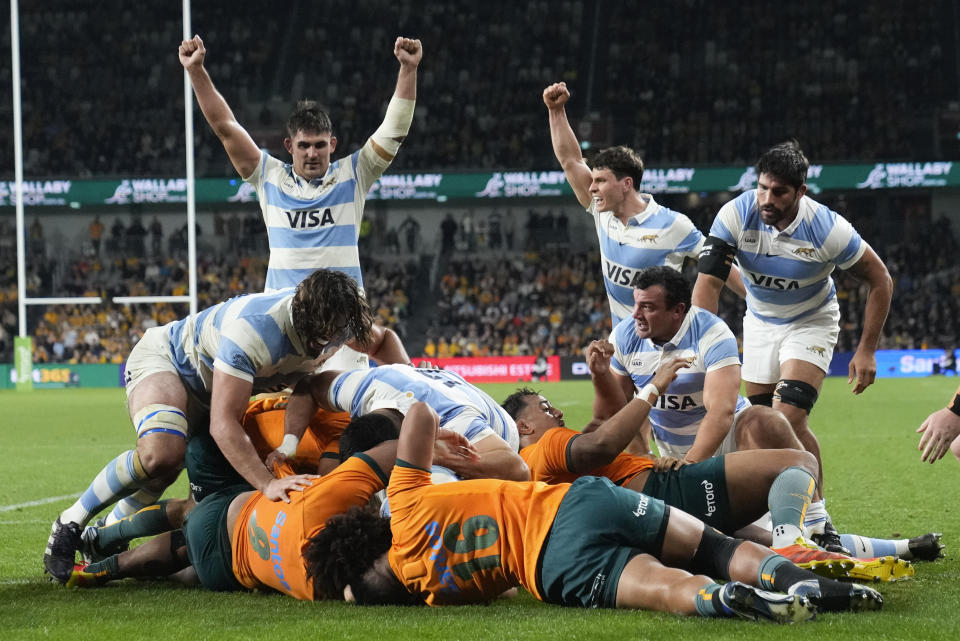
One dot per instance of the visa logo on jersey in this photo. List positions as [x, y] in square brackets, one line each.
[675, 402]
[773, 282]
[309, 218]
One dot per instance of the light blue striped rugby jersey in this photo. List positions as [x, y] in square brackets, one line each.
[677, 414]
[314, 224]
[787, 274]
[400, 386]
[251, 337]
[657, 236]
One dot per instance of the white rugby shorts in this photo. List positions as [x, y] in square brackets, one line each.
[767, 346]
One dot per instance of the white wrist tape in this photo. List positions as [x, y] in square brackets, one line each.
[395, 125]
[649, 393]
[289, 445]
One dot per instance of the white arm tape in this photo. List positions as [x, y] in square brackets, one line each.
[396, 124]
[649, 393]
[289, 445]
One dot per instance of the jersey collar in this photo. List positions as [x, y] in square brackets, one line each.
[300, 180]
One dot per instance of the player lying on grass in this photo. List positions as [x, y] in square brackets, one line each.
[586, 544]
[389, 391]
[236, 538]
[728, 492]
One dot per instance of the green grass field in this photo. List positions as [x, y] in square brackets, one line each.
[54, 442]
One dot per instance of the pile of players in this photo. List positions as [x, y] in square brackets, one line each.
[729, 520]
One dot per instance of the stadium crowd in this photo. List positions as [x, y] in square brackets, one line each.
[557, 308]
[842, 110]
[106, 333]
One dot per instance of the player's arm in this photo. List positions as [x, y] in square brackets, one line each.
[417, 434]
[714, 269]
[494, 459]
[611, 390]
[720, 393]
[939, 430]
[383, 346]
[565, 145]
[396, 122]
[228, 402]
[602, 445]
[309, 394]
[240, 147]
[735, 283]
[863, 365]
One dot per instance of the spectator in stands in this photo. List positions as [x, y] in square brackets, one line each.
[156, 236]
[96, 234]
[448, 231]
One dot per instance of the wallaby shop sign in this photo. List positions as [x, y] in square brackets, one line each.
[442, 187]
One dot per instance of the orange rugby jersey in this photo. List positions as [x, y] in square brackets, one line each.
[548, 460]
[269, 536]
[467, 541]
[263, 422]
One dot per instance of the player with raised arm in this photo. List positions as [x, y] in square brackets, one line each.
[634, 230]
[195, 376]
[786, 246]
[313, 207]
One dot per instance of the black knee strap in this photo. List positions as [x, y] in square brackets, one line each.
[713, 556]
[761, 399]
[796, 393]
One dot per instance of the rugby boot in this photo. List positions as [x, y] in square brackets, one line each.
[61, 550]
[829, 539]
[926, 547]
[832, 596]
[832, 565]
[90, 548]
[753, 603]
[80, 578]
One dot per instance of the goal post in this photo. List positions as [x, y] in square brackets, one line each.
[23, 342]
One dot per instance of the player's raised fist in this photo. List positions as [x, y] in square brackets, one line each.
[408, 51]
[556, 95]
[192, 52]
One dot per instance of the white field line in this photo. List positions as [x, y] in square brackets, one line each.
[49, 499]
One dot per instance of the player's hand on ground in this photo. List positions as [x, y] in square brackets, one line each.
[556, 95]
[452, 449]
[598, 354]
[939, 430]
[277, 489]
[192, 53]
[863, 370]
[666, 463]
[408, 51]
[667, 372]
